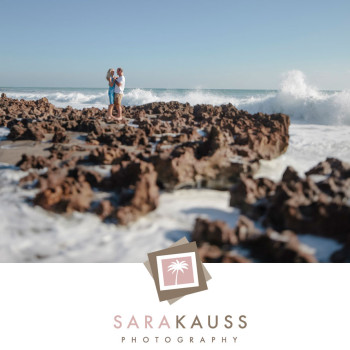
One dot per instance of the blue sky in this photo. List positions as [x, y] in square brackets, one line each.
[174, 44]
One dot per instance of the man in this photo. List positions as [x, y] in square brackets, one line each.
[119, 92]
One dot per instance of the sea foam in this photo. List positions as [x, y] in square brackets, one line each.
[305, 103]
[295, 97]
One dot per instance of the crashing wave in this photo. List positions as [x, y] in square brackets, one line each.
[301, 101]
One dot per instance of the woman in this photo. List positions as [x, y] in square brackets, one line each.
[111, 85]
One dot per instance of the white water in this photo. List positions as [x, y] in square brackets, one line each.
[3, 133]
[40, 236]
[305, 103]
[320, 128]
[296, 97]
[309, 144]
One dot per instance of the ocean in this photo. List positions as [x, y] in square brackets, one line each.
[320, 128]
[295, 97]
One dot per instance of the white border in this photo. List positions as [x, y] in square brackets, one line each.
[160, 258]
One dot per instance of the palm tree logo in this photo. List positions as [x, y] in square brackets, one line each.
[177, 266]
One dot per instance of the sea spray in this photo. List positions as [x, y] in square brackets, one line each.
[304, 103]
[295, 97]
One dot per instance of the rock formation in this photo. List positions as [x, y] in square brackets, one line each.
[171, 145]
[317, 204]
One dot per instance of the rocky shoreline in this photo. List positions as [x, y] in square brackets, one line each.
[318, 204]
[118, 170]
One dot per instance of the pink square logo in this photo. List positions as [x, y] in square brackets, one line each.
[177, 271]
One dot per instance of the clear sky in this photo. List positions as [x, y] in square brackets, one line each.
[174, 44]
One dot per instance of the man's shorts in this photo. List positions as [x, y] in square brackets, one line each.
[118, 99]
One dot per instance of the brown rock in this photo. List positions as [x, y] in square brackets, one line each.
[235, 258]
[28, 162]
[216, 241]
[245, 229]
[136, 183]
[250, 195]
[67, 196]
[279, 247]
[290, 175]
[329, 167]
[87, 125]
[181, 167]
[60, 137]
[297, 204]
[104, 209]
[233, 143]
[86, 175]
[210, 253]
[31, 132]
[16, 132]
[108, 155]
[216, 233]
[32, 176]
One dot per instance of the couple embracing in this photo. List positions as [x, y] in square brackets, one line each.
[115, 92]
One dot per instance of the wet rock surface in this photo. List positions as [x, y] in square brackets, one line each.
[219, 243]
[62, 193]
[117, 170]
[167, 145]
[317, 204]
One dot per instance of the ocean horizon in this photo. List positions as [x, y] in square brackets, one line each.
[295, 97]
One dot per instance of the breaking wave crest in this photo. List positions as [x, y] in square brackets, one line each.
[295, 97]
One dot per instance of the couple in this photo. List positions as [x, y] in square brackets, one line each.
[115, 92]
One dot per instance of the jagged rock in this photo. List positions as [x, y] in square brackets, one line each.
[213, 254]
[60, 137]
[279, 247]
[250, 195]
[216, 240]
[298, 204]
[30, 132]
[216, 233]
[215, 140]
[86, 175]
[131, 136]
[90, 126]
[189, 146]
[329, 167]
[108, 155]
[16, 132]
[290, 175]
[245, 229]
[104, 209]
[31, 177]
[136, 183]
[28, 162]
[210, 253]
[181, 167]
[63, 194]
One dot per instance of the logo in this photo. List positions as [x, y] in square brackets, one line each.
[177, 271]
